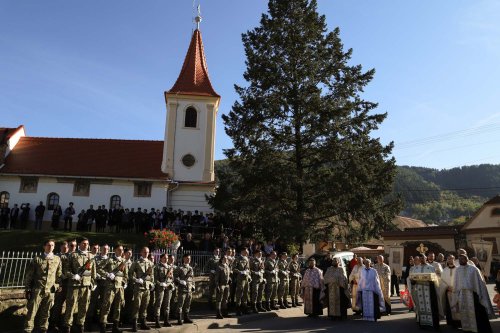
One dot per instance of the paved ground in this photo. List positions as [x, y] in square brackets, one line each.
[293, 320]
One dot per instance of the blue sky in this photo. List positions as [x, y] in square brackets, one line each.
[99, 68]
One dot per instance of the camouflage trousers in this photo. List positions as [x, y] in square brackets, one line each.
[162, 301]
[294, 288]
[59, 299]
[183, 302]
[77, 298]
[283, 288]
[211, 287]
[141, 301]
[270, 293]
[241, 294]
[126, 313]
[96, 297]
[39, 303]
[256, 291]
[112, 302]
[222, 296]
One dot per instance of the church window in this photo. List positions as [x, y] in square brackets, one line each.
[142, 189]
[115, 201]
[188, 160]
[191, 117]
[52, 200]
[4, 199]
[495, 212]
[28, 185]
[81, 188]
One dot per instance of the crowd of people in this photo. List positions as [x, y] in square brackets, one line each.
[97, 287]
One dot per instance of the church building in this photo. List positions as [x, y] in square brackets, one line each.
[177, 172]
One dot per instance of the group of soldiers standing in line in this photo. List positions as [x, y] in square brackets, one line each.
[97, 286]
[104, 287]
[254, 284]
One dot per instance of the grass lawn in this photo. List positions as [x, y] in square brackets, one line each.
[30, 240]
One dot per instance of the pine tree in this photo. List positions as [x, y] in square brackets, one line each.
[303, 153]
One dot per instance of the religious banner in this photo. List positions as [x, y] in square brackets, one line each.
[483, 251]
[396, 253]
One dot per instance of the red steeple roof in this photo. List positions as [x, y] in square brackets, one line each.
[193, 79]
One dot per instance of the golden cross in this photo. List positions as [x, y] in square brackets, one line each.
[421, 248]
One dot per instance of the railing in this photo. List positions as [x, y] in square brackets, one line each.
[13, 264]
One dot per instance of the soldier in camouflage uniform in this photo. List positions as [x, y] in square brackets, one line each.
[115, 270]
[141, 274]
[272, 281]
[258, 282]
[126, 313]
[241, 269]
[211, 267]
[42, 281]
[295, 277]
[184, 278]
[66, 248]
[164, 279]
[98, 293]
[230, 254]
[81, 275]
[284, 281]
[222, 281]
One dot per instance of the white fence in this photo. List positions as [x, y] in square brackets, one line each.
[13, 265]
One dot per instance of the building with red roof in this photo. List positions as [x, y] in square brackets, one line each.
[177, 172]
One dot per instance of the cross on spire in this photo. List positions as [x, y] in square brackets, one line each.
[198, 18]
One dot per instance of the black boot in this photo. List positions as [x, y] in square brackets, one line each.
[66, 329]
[281, 305]
[116, 327]
[134, 325]
[297, 302]
[225, 313]
[219, 314]
[179, 318]
[260, 308]
[273, 305]
[254, 308]
[268, 306]
[143, 325]
[157, 322]
[187, 320]
[166, 323]
[102, 328]
[79, 329]
[293, 303]
[285, 303]
[238, 311]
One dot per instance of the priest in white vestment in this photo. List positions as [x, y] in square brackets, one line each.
[446, 292]
[471, 297]
[370, 297]
[425, 295]
[353, 280]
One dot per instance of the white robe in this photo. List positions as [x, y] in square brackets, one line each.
[447, 280]
[354, 278]
[369, 284]
[467, 281]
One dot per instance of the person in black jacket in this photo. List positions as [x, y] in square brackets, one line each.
[406, 273]
[39, 211]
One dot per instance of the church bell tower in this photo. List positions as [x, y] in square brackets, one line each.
[192, 105]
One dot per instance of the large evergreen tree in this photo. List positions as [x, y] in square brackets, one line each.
[303, 153]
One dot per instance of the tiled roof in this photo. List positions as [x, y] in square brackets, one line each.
[132, 159]
[193, 79]
[6, 133]
[493, 201]
[403, 223]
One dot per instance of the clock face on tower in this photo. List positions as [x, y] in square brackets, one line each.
[188, 160]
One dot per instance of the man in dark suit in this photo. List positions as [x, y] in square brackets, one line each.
[14, 214]
[4, 217]
[39, 211]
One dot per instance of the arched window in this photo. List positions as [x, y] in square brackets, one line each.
[4, 199]
[52, 200]
[191, 117]
[115, 201]
[495, 212]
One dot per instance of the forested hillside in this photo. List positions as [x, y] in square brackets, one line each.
[446, 196]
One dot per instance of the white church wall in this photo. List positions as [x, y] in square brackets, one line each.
[100, 194]
[190, 141]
